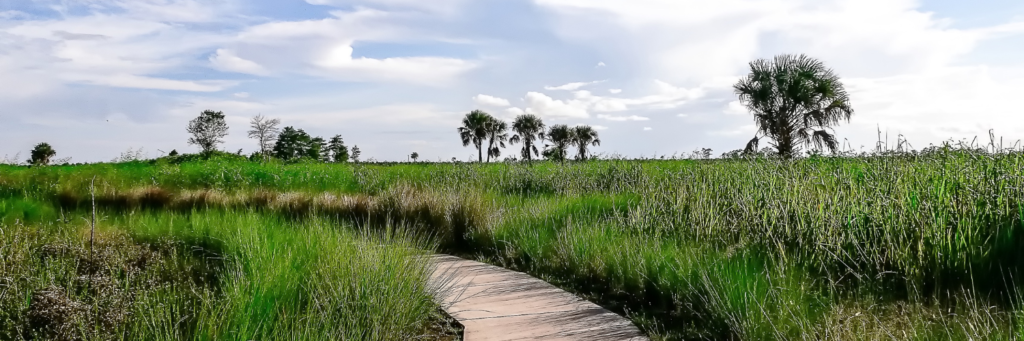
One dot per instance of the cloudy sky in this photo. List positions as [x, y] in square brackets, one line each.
[96, 77]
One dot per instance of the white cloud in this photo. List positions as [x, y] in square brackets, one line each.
[514, 111]
[490, 101]
[648, 128]
[597, 127]
[242, 94]
[571, 86]
[434, 71]
[541, 105]
[601, 64]
[615, 91]
[735, 108]
[623, 118]
[142, 82]
[226, 60]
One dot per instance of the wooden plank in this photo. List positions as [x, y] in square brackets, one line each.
[496, 304]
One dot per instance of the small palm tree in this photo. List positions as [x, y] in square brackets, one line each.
[560, 136]
[529, 129]
[474, 130]
[582, 137]
[795, 101]
[497, 135]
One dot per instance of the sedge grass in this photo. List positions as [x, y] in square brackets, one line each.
[209, 275]
[816, 248]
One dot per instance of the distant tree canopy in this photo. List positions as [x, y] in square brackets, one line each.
[293, 144]
[582, 137]
[529, 130]
[795, 100]
[414, 156]
[474, 130]
[561, 137]
[208, 130]
[41, 154]
[355, 153]
[337, 149]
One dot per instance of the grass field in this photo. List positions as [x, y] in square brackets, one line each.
[206, 275]
[909, 247]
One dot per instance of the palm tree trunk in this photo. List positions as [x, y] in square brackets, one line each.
[490, 144]
[479, 152]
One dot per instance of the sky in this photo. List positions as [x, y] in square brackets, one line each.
[95, 78]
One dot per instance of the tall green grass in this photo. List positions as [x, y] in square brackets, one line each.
[207, 275]
[873, 247]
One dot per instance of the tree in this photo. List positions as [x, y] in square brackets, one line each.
[474, 130]
[174, 152]
[292, 144]
[41, 154]
[355, 153]
[414, 156]
[497, 135]
[317, 150]
[583, 137]
[795, 101]
[208, 130]
[337, 149]
[265, 131]
[529, 129]
[560, 136]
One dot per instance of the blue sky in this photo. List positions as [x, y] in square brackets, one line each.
[96, 77]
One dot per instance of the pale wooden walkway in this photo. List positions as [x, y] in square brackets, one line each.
[495, 304]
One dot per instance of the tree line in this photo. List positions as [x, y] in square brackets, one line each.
[480, 128]
[288, 144]
[795, 100]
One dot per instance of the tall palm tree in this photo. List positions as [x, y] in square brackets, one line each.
[474, 130]
[529, 129]
[795, 101]
[560, 136]
[497, 132]
[582, 137]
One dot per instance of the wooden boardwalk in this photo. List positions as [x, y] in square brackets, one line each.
[496, 304]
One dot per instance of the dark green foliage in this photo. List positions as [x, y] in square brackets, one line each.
[561, 137]
[583, 137]
[529, 129]
[356, 153]
[318, 150]
[208, 130]
[293, 144]
[474, 130]
[174, 152]
[497, 135]
[337, 149]
[41, 154]
[795, 101]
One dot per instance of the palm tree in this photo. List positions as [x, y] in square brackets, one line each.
[582, 137]
[795, 101]
[497, 132]
[474, 130]
[529, 129]
[560, 136]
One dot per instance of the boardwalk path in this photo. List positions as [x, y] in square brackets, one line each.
[498, 304]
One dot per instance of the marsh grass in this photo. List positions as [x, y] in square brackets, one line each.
[210, 275]
[894, 246]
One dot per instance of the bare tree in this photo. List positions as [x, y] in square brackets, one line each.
[265, 131]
